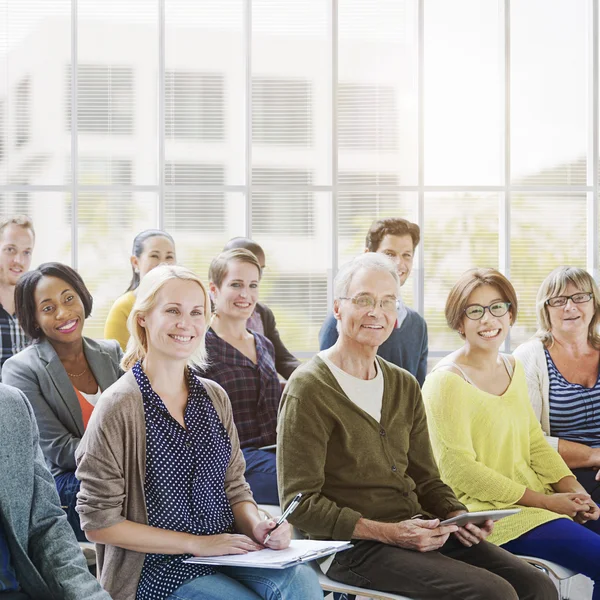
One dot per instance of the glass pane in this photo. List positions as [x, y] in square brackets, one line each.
[201, 223]
[356, 212]
[463, 93]
[461, 232]
[291, 86]
[294, 232]
[52, 243]
[117, 87]
[107, 224]
[205, 86]
[549, 92]
[377, 92]
[35, 45]
[547, 230]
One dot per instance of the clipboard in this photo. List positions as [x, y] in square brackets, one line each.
[299, 551]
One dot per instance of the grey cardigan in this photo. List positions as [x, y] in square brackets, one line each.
[44, 553]
[38, 372]
[111, 465]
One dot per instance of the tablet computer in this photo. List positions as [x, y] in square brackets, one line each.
[479, 518]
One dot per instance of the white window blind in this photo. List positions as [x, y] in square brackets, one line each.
[195, 104]
[547, 230]
[105, 94]
[278, 212]
[460, 233]
[226, 125]
[195, 210]
[282, 111]
[23, 112]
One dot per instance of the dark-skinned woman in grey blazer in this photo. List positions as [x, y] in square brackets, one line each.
[63, 373]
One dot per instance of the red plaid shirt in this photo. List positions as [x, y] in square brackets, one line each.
[254, 389]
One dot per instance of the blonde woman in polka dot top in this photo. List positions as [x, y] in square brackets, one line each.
[161, 470]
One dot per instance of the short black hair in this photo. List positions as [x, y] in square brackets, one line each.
[25, 294]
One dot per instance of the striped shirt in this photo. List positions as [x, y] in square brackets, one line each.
[12, 337]
[574, 409]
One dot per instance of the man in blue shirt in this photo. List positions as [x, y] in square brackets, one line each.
[407, 345]
[39, 555]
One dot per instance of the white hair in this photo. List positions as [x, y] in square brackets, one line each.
[370, 261]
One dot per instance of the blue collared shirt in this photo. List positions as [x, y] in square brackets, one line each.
[185, 481]
[8, 579]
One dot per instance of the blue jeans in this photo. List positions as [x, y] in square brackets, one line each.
[261, 474]
[244, 583]
[566, 543]
[68, 486]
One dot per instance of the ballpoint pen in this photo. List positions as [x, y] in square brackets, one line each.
[286, 513]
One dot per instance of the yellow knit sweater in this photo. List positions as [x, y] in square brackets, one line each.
[490, 448]
[116, 322]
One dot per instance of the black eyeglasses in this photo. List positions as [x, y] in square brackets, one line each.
[579, 298]
[476, 311]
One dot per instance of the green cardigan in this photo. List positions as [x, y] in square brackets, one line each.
[346, 464]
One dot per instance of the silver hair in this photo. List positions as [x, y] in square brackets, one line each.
[370, 261]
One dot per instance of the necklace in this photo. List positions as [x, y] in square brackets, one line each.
[77, 375]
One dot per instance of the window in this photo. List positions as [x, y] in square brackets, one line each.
[299, 300]
[195, 210]
[367, 117]
[95, 207]
[195, 106]
[281, 111]
[282, 212]
[105, 99]
[2, 130]
[281, 124]
[22, 113]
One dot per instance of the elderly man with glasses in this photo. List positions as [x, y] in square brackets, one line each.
[353, 438]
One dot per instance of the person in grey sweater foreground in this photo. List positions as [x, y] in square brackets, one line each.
[39, 555]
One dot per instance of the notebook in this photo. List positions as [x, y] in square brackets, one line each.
[299, 551]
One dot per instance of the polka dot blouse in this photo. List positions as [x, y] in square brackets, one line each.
[185, 482]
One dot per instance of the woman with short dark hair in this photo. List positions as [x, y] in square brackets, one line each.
[62, 373]
[488, 443]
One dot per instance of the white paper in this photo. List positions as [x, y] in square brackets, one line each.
[298, 551]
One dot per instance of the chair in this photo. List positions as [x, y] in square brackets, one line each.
[561, 574]
[329, 585]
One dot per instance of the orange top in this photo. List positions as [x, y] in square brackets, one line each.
[86, 408]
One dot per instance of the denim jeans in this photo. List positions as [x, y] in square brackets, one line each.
[261, 474]
[244, 583]
[68, 486]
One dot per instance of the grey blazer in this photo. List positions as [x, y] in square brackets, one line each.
[44, 553]
[38, 372]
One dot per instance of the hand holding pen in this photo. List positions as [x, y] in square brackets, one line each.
[288, 511]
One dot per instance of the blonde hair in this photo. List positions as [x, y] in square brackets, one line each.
[467, 283]
[151, 284]
[21, 220]
[556, 284]
[219, 267]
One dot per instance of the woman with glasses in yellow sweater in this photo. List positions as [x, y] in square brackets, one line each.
[489, 444]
